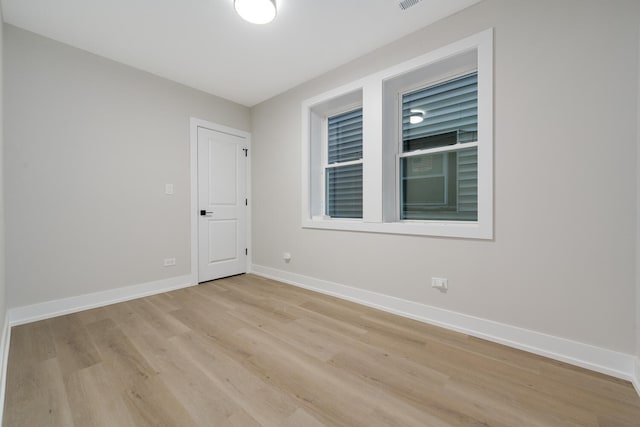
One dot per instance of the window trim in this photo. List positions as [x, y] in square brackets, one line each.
[377, 215]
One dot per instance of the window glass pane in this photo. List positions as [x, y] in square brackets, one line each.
[344, 191]
[440, 115]
[345, 137]
[441, 186]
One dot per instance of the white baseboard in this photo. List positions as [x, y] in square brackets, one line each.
[4, 353]
[620, 365]
[636, 375]
[48, 309]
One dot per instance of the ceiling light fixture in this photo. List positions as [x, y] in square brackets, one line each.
[417, 116]
[256, 11]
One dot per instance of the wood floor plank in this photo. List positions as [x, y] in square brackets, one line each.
[166, 326]
[33, 342]
[240, 419]
[264, 403]
[90, 316]
[93, 399]
[503, 380]
[249, 351]
[411, 383]
[37, 397]
[191, 387]
[305, 339]
[301, 418]
[119, 354]
[166, 302]
[149, 400]
[323, 390]
[74, 348]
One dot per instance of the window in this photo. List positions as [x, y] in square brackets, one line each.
[334, 162]
[408, 150]
[343, 171]
[438, 153]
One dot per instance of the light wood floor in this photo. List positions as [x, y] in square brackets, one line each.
[247, 351]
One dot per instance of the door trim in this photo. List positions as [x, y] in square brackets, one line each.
[193, 128]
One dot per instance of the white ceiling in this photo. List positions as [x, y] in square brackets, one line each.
[205, 45]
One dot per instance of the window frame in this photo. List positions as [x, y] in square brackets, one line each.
[380, 146]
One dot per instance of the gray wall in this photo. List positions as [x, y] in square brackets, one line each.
[89, 147]
[563, 258]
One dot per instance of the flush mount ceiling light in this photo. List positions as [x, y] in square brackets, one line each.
[417, 116]
[256, 11]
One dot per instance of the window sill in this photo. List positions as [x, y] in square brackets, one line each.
[457, 229]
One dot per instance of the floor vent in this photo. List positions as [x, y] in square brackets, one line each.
[406, 4]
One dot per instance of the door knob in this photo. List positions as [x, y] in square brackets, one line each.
[205, 213]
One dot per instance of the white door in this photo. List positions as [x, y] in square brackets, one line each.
[222, 205]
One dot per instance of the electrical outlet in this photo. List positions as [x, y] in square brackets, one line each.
[440, 283]
[168, 262]
[168, 189]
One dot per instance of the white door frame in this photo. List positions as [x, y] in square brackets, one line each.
[194, 125]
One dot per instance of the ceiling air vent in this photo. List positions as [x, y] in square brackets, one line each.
[406, 4]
